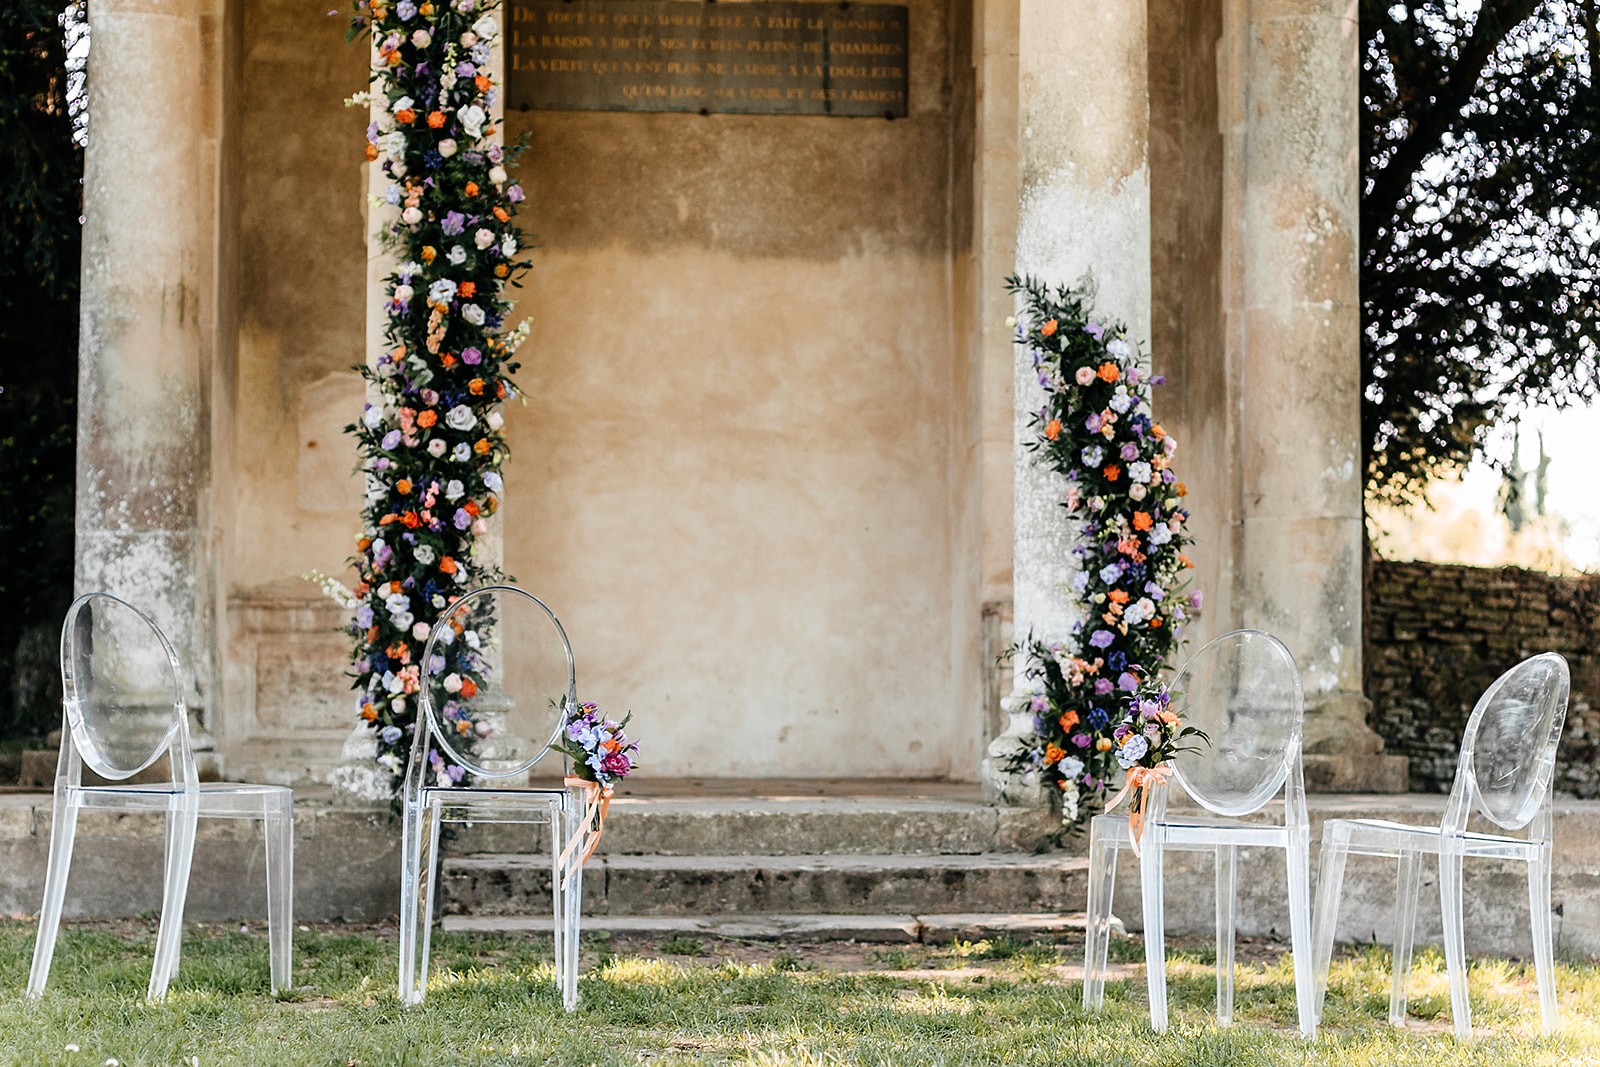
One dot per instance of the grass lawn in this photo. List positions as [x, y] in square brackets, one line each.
[494, 1001]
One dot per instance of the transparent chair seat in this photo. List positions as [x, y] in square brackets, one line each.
[1243, 690]
[122, 692]
[1503, 774]
[516, 651]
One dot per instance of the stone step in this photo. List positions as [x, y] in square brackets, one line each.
[779, 826]
[926, 929]
[505, 884]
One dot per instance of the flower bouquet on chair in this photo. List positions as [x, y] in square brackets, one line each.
[601, 755]
[1145, 742]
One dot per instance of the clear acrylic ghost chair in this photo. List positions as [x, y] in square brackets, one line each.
[122, 691]
[512, 651]
[1243, 690]
[1504, 773]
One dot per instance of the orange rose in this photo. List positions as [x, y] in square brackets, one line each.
[469, 689]
[428, 253]
[501, 270]
[482, 83]
[1053, 753]
[1052, 429]
[468, 290]
[1112, 472]
[425, 10]
[471, 189]
[1049, 328]
[372, 152]
[500, 390]
[475, 387]
[1108, 372]
[362, 545]
[368, 712]
[447, 565]
[1069, 720]
[1157, 432]
[482, 446]
[471, 508]
[1155, 623]
[403, 486]
[405, 116]
[427, 418]
[1118, 596]
[394, 587]
[1182, 490]
[411, 520]
[393, 59]
[448, 360]
[436, 120]
[1142, 520]
[500, 213]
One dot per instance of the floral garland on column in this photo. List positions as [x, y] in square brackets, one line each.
[1096, 430]
[431, 436]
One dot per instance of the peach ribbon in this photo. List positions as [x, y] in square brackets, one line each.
[596, 803]
[1140, 781]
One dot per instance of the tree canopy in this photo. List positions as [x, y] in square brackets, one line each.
[1480, 213]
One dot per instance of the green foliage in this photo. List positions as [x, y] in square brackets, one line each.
[40, 169]
[1479, 265]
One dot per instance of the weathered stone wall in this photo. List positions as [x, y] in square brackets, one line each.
[1438, 634]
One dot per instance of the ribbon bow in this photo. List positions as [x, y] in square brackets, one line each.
[1140, 781]
[596, 802]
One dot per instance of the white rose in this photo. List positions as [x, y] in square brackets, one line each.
[1137, 491]
[436, 447]
[472, 119]
[422, 38]
[423, 553]
[461, 576]
[492, 480]
[420, 631]
[404, 620]
[398, 704]
[452, 683]
[496, 420]
[393, 145]
[468, 39]
[447, 147]
[404, 293]
[454, 491]
[473, 314]
[486, 27]
[508, 246]
[411, 216]
[457, 255]
[460, 417]
[497, 174]
[372, 417]
[405, 103]
[483, 238]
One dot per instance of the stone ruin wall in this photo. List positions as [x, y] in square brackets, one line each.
[1438, 634]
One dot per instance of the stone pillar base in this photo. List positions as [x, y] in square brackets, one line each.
[1345, 755]
[357, 780]
[1001, 785]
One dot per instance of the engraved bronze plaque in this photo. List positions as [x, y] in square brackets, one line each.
[755, 58]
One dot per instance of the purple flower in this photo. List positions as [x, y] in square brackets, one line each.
[455, 772]
[465, 69]
[1101, 639]
[1095, 330]
[1133, 375]
[364, 616]
[471, 356]
[1081, 740]
[389, 735]
[514, 194]
[454, 222]
[1092, 423]
[390, 440]
[406, 10]
[462, 519]
[1196, 599]
[1154, 591]
[1130, 451]
[1127, 682]
[1102, 686]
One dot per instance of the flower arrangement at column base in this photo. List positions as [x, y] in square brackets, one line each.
[1095, 428]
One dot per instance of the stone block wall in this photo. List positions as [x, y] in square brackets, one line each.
[1438, 634]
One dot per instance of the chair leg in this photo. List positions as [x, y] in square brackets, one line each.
[63, 829]
[572, 909]
[1330, 878]
[1227, 874]
[1455, 941]
[1097, 930]
[1543, 938]
[427, 897]
[1298, 858]
[174, 892]
[1408, 887]
[1155, 945]
[413, 919]
[279, 828]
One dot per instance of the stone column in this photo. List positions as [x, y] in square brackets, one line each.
[1294, 326]
[143, 467]
[1084, 207]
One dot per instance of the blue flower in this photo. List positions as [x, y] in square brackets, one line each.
[1132, 751]
[389, 735]
[1110, 573]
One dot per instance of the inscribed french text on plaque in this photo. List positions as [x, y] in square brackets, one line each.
[684, 55]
